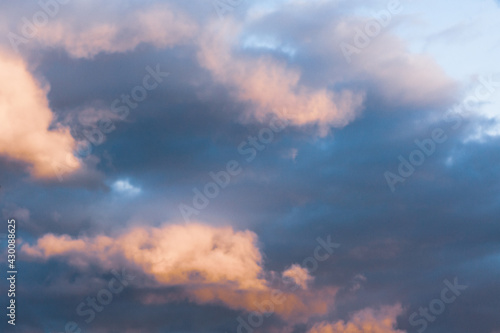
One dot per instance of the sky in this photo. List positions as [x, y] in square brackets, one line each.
[279, 166]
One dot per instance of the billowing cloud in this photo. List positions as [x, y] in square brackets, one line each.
[299, 275]
[173, 254]
[25, 121]
[273, 87]
[84, 36]
[214, 265]
[364, 321]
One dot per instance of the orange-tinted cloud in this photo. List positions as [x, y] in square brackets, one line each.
[273, 87]
[299, 275]
[368, 320]
[25, 118]
[213, 264]
[292, 304]
[84, 36]
[172, 254]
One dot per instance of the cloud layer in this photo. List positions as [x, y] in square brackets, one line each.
[322, 177]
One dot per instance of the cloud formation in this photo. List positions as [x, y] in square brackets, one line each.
[160, 24]
[172, 254]
[299, 275]
[364, 321]
[27, 132]
[212, 264]
[274, 88]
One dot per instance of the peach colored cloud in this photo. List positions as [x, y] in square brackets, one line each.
[213, 264]
[299, 275]
[272, 87]
[172, 254]
[25, 118]
[293, 305]
[113, 29]
[364, 321]
[296, 306]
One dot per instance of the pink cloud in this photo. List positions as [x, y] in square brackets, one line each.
[25, 118]
[84, 36]
[212, 264]
[367, 320]
[299, 275]
[172, 254]
[273, 87]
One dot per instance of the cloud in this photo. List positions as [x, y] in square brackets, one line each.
[124, 186]
[294, 306]
[357, 282]
[173, 254]
[385, 68]
[368, 320]
[271, 68]
[297, 71]
[178, 137]
[17, 213]
[25, 118]
[212, 264]
[401, 78]
[273, 87]
[299, 275]
[86, 35]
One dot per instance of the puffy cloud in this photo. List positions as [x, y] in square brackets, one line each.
[25, 119]
[84, 36]
[367, 320]
[213, 264]
[299, 275]
[51, 245]
[172, 254]
[273, 87]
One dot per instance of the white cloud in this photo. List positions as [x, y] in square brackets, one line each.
[123, 186]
